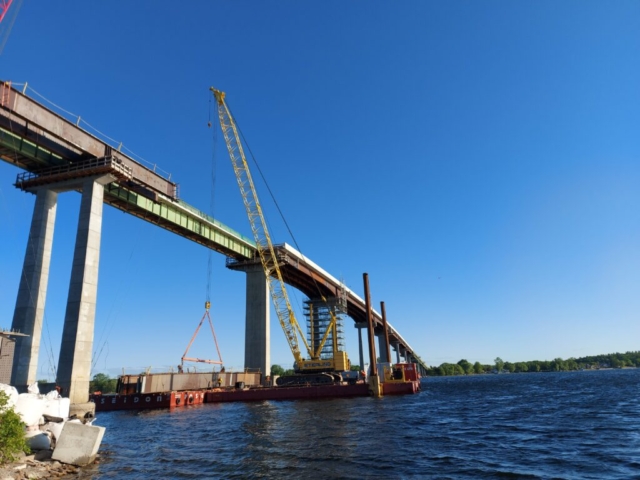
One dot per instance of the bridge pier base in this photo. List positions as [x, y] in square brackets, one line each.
[32, 293]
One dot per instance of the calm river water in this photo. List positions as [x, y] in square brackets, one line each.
[545, 425]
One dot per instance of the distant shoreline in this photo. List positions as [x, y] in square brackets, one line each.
[540, 372]
[610, 361]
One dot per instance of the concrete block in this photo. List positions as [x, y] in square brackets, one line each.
[78, 444]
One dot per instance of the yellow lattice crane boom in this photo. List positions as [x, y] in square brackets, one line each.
[267, 253]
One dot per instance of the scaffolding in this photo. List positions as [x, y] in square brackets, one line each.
[318, 315]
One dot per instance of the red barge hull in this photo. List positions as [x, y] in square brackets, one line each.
[172, 390]
[139, 401]
[287, 393]
[301, 393]
[143, 401]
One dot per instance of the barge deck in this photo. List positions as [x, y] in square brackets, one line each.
[140, 401]
[149, 391]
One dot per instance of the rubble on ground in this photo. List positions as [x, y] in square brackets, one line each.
[36, 466]
[60, 444]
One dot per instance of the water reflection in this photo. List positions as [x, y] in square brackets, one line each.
[582, 425]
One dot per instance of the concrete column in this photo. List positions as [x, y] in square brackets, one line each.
[396, 347]
[360, 326]
[257, 340]
[403, 354]
[74, 366]
[32, 292]
[385, 326]
[382, 347]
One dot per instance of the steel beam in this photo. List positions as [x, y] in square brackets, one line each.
[305, 275]
[24, 116]
[183, 219]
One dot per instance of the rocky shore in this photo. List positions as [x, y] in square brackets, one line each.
[40, 465]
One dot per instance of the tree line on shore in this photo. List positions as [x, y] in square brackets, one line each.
[611, 360]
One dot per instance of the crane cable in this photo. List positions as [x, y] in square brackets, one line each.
[264, 180]
[4, 36]
[207, 305]
[211, 200]
[273, 198]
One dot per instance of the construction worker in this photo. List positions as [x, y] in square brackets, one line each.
[219, 382]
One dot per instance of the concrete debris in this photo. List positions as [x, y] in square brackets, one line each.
[54, 427]
[60, 443]
[32, 406]
[38, 440]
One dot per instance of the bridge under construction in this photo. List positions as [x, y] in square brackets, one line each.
[56, 155]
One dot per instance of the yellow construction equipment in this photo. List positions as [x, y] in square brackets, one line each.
[314, 370]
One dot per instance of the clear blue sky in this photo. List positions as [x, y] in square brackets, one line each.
[480, 160]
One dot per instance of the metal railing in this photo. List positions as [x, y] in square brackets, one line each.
[84, 168]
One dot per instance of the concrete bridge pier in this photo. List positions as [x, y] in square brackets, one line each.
[257, 339]
[32, 292]
[360, 326]
[382, 347]
[403, 354]
[74, 365]
[396, 347]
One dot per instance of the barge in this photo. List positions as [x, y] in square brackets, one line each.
[136, 392]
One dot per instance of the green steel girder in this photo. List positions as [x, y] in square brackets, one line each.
[175, 216]
[183, 219]
[24, 153]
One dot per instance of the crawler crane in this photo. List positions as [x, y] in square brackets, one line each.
[314, 370]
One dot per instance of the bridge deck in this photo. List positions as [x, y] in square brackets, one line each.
[303, 274]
